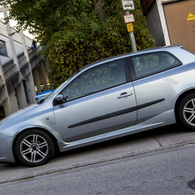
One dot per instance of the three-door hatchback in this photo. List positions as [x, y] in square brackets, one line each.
[108, 99]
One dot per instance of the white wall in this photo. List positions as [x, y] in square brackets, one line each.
[17, 43]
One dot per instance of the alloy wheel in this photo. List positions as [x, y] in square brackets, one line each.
[34, 148]
[189, 112]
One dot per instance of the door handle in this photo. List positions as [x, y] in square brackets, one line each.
[124, 94]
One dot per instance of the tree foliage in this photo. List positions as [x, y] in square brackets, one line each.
[77, 32]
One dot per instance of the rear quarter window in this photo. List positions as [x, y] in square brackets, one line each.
[152, 63]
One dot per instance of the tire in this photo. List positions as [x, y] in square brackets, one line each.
[186, 111]
[33, 148]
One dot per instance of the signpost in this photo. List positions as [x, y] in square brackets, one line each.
[130, 27]
[129, 19]
[128, 5]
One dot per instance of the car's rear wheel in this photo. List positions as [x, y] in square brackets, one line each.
[34, 147]
[186, 111]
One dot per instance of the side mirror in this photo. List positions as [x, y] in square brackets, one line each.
[59, 98]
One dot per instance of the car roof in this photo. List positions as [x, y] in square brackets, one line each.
[164, 48]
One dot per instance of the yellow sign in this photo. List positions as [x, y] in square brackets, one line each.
[130, 27]
[190, 17]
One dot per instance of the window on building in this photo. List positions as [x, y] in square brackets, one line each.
[3, 51]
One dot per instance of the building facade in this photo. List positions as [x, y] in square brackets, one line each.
[23, 71]
[171, 22]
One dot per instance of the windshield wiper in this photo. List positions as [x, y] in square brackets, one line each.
[41, 101]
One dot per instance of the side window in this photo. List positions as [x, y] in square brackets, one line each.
[148, 64]
[96, 79]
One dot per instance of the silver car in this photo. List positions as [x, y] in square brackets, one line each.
[108, 99]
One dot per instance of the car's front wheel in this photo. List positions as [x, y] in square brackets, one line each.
[34, 147]
[186, 111]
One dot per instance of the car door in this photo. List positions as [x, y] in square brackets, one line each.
[99, 100]
[154, 84]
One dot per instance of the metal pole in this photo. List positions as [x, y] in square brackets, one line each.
[132, 37]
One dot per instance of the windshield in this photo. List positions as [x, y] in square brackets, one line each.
[49, 94]
[40, 101]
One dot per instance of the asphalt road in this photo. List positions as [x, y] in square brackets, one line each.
[162, 172]
[161, 160]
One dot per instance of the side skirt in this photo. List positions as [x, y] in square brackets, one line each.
[147, 125]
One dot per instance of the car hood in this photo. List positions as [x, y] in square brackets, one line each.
[20, 116]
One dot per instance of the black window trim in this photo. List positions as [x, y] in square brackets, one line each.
[127, 74]
[132, 70]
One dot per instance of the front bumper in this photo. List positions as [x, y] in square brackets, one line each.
[6, 153]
